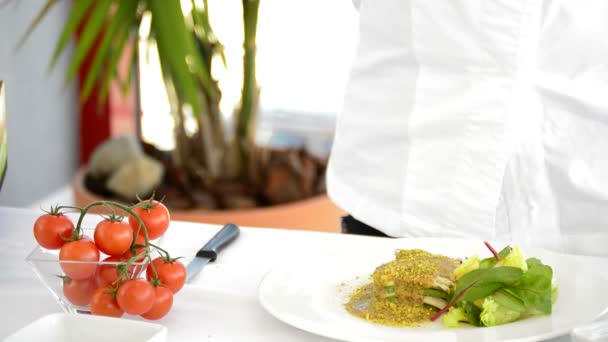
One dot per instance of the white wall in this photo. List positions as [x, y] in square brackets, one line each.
[42, 115]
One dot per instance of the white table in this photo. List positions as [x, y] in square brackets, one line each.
[221, 305]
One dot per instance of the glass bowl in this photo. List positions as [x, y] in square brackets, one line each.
[49, 269]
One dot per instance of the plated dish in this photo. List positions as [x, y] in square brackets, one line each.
[418, 287]
[311, 295]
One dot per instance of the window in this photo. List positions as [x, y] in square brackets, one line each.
[304, 53]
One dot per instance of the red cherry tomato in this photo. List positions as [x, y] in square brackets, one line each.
[171, 274]
[104, 304]
[49, 228]
[107, 274]
[162, 303]
[79, 250]
[113, 237]
[140, 240]
[136, 296]
[79, 292]
[154, 215]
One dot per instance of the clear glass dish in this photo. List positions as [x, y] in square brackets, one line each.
[47, 266]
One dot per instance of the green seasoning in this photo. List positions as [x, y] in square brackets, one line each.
[399, 292]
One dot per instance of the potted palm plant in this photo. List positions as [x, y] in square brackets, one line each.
[220, 163]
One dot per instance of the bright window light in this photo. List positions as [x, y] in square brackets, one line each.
[304, 51]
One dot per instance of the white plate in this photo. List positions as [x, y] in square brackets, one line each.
[309, 295]
[72, 327]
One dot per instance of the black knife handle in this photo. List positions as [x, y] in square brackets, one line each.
[222, 238]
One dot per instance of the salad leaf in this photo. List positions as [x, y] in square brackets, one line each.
[482, 290]
[514, 258]
[532, 262]
[491, 261]
[500, 289]
[495, 314]
[487, 262]
[535, 287]
[467, 313]
[436, 293]
[454, 316]
[509, 301]
[472, 313]
[483, 282]
[469, 265]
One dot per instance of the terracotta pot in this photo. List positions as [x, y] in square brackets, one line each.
[317, 213]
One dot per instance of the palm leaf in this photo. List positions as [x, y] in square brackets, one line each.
[180, 36]
[45, 9]
[78, 12]
[123, 19]
[113, 65]
[88, 36]
[178, 58]
[200, 18]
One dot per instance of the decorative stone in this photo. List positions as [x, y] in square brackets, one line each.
[113, 154]
[139, 176]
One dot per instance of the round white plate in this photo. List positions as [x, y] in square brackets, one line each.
[309, 294]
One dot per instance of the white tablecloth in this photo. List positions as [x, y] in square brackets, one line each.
[220, 305]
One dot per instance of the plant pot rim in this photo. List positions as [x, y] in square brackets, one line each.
[316, 213]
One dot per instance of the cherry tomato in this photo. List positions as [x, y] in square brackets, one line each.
[49, 228]
[79, 292]
[107, 274]
[162, 303]
[141, 241]
[171, 274]
[104, 304]
[154, 215]
[136, 296]
[113, 237]
[79, 250]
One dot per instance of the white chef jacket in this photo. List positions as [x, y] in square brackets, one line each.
[483, 119]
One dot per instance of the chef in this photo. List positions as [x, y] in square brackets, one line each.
[477, 119]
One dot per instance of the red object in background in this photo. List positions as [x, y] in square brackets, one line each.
[115, 116]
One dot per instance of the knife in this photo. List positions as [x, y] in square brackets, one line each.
[208, 253]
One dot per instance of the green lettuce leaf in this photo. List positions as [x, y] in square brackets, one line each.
[514, 258]
[467, 266]
[535, 288]
[466, 313]
[494, 313]
[481, 283]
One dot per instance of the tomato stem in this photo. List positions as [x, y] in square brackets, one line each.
[153, 268]
[69, 207]
[166, 255]
[123, 207]
[78, 230]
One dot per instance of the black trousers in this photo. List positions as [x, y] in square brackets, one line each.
[351, 225]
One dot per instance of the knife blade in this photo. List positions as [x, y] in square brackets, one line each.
[208, 253]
